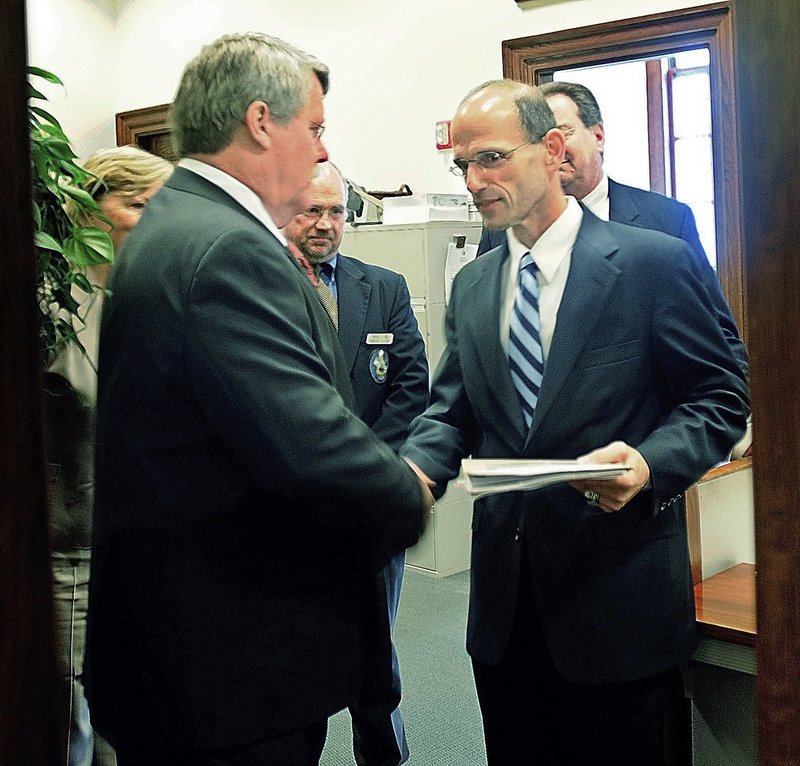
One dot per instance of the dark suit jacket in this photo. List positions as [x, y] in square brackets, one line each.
[375, 301]
[239, 501]
[650, 210]
[627, 362]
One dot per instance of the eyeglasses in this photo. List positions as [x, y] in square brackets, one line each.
[316, 130]
[568, 130]
[314, 213]
[488, 160]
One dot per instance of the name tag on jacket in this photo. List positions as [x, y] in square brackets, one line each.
[380, 338]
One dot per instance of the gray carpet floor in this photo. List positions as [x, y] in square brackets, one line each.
[439, 705]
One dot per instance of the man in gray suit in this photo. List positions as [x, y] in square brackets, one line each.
[242, 509]
[385, 356]
[578, 115]
[567, 342]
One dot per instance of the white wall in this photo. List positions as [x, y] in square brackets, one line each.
[397, 66]
[75, 40]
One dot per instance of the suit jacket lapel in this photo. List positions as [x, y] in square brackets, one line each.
[621, 206]
[591, 278]
[483, 305]
[354, 295]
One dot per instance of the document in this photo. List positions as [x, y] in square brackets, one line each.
[459, 254]
[489, 477]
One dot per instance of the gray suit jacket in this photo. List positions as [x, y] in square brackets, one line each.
[627, 361]
[240, 504]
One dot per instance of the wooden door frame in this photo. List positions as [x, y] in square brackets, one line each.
[768, 106]
[31, 720]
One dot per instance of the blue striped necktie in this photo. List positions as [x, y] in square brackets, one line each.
[525, 357]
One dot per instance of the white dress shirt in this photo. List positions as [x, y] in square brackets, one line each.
[552, 253]
[244, 195]
[597, 199]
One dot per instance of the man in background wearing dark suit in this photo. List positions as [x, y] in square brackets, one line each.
[578, 115]
[385, 356]
[241, 506]
[568, 342]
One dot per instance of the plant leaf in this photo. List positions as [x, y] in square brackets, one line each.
[88, 246]
[98, 241]
[44, 240]
[81, 196]
[51, 130]
[82, 282]
[33, 93]
[44, 74]
[58, 146]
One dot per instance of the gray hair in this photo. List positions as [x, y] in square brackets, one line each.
[588, 108]
[226, 77]
[535, 116]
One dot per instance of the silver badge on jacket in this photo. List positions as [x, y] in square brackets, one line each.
[379, 365]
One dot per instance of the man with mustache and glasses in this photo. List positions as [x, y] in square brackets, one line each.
[568, 342]
[388, 369]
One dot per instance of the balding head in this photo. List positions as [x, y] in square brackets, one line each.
[318, 231]
[504, 139]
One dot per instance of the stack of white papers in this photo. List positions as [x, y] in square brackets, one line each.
[489, 477]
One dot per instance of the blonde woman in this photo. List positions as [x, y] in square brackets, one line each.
[124, 180]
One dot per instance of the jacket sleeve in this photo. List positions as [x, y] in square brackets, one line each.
[265, 373]
[408, 383]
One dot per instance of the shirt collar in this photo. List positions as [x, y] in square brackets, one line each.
[597, 199]
[332, 261]
[553, 245]
[244, 195]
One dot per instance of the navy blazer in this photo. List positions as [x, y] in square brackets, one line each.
[239, 500]
[389, 377]
[627, 361]
[650, 210]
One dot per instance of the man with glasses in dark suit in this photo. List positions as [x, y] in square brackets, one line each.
[240, 503]
[578, 116]
[567, 342]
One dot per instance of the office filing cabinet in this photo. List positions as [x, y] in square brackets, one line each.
[419, 252]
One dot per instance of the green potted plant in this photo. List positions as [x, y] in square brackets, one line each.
[64, 246]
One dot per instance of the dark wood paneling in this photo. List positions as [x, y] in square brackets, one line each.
[655, 126]
[767, 63]
[147, 128]
[28, 699]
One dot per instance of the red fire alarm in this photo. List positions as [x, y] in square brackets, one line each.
[443, 139]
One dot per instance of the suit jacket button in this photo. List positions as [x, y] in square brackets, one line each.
[517, 534]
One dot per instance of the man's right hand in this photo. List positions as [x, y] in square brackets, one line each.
[427, 484]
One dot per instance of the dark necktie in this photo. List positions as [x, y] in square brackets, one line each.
[324, 293]
[312, 271]
[525, 357]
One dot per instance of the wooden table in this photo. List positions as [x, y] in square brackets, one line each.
[726, 605]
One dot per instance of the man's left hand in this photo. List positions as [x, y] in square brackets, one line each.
[613, 494]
